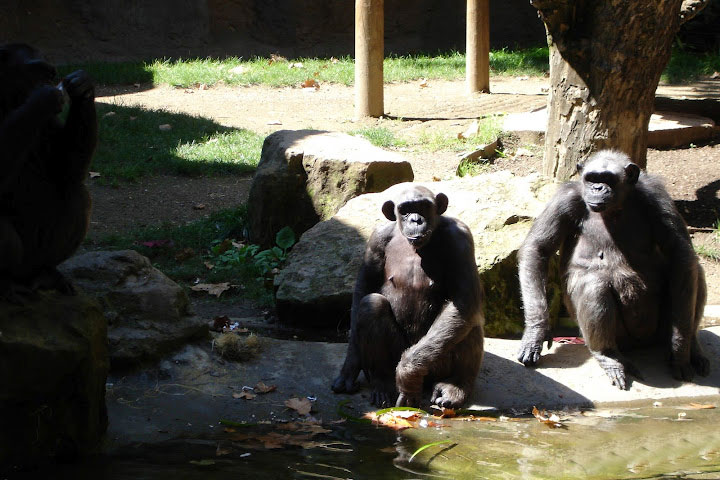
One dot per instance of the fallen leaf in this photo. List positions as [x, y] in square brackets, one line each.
[552, 421]
[301, 405]
[239, 70]
[165, 127]
[423, 83]
[715, 75]
[245, 395]
[184, 254]
[203, 86]
[215, 289]
[310, 83]
[701, 406]
[223, 247]
[109, 114]
[94, 174]
[334, 60]
[262, 388]
[209, 265]
[136, 85]
[276, 58]
[295, 65]
[316, 74]
[444, 412]
[203, 463]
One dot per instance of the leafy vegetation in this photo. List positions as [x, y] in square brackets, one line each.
[205, 251]
[380, 137]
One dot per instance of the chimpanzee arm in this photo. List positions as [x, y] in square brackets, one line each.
[79, 135]
[671, 235]
[19, 131]
[460, 314]
[369, 280]
[556, 222]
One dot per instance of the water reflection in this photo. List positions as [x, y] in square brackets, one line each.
[644, 442]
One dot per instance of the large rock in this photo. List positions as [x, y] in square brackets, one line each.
[317, 282]
[53, 369]
[148, 314]
[305, 176]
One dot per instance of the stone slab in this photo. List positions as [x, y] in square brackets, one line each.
[666, 129]
[190, 392]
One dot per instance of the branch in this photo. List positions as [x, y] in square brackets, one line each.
[690, 8]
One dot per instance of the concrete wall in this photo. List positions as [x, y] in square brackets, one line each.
[78, 30]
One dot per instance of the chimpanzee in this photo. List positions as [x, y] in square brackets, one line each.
[416, 313]
[44, 205]
[630, 274]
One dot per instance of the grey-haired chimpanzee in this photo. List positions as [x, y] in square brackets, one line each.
[416, 314]
[630, 274]
[44, 205]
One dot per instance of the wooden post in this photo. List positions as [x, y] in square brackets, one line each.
[477, 34]
[369, 56]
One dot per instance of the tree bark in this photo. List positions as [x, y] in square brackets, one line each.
[369, 56]
[606, 57]
[477, 46]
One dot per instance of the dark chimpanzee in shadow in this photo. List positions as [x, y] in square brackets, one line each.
[630, 274]
[44, 205]
[416, 310]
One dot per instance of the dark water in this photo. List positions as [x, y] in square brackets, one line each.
[680, 441]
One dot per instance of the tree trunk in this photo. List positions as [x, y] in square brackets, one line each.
[606, 57]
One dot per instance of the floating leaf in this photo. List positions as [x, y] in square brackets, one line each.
[552, 421]
[301, 405]
[425, 447]
[444, 412]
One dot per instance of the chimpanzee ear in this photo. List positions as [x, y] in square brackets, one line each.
[388, 210]
[579, 166]
[441, 201]
[632, 172]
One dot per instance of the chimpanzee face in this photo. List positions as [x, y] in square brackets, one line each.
[605, 182]
[417, 212]
[22, 71]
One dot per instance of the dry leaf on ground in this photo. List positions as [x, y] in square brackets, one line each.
[552, 421]
[301, 405]
[262, 388]
[215, 289]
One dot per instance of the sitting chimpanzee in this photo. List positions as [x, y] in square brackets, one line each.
[44, 205]
[630, 274]
[416, 312]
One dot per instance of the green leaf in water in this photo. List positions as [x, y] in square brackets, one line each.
[426, 446]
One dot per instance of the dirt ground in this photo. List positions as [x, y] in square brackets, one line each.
[692, 174]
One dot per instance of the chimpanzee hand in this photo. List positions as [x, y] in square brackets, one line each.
[46, 101]
[531, 345]
[79, 85]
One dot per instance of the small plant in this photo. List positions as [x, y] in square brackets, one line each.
[380, 137]
[230, 255]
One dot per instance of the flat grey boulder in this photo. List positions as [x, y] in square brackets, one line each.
[52, 379]
[316, 285]
[148, 314]
[305, 176]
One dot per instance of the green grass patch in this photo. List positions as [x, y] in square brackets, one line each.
[280, 72]
[489, 129]
[132, 144]
[183, 253]
[380, 137]
[688, 66]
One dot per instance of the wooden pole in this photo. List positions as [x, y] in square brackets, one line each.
[369, 56]
[477, 34]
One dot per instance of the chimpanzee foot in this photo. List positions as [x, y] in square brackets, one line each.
[448, 395]
[618, 369]
[344, 384]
